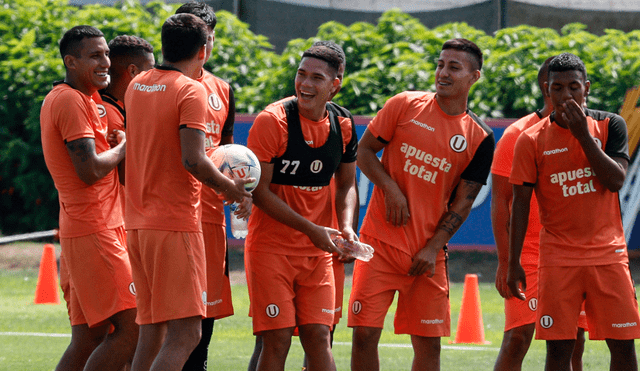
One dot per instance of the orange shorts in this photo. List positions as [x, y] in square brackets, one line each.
[338, 277]
[519, 313]
[609, 299]
[218, 300]
[423, 303]
[169, 274]
[288, 291]
[96, 276]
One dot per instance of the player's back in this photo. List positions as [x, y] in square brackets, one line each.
[160, 193]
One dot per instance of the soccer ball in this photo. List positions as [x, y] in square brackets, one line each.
[237, 161]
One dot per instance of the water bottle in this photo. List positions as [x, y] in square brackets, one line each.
[356, 249]
[238, 225]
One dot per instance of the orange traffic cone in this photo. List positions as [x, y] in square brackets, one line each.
[470, 327]
[47, 286]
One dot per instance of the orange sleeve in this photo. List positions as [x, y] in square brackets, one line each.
[524, 168]
[73, 119]
[268, 135]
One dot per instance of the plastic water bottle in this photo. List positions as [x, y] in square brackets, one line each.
[238, 225]
[356, 249]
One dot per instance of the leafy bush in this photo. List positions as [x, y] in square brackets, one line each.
[396, 54]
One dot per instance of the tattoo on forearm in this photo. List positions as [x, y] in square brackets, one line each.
[191, 167]
[472, 189]
[451, 222]
[211, 183]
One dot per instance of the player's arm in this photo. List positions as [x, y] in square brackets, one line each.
[197, 163]
[279, 210]
[91, 166]
[501, 195]
[113, 139]
[346, 199]
[425, 260]
[610, 171]
[396, 205]
[227, 128]
[516, 277]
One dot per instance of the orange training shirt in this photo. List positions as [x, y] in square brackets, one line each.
[160, 193]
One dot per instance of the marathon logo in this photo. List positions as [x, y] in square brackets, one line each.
[624, 325]
[149, 88]
[424, 126]
[555, 151]
[330, 311]
[432, 321]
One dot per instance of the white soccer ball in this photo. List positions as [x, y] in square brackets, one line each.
[237, 161]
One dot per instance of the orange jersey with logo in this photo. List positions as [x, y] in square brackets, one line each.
[502, 160]
[581, 220]
[217, 113]
[160, 193]
[427, 153]
[268, 139]
[68, 115]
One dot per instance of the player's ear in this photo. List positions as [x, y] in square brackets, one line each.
[476, 76]
[132, 70]
[69, 61]
[202, 53]
[587, 85]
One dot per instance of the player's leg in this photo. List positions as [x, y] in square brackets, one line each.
[426, 353]
[150, 341]
[515, 344]
[182, 337]
[623, 355]
[84, 341]
[257, 349]
[316, 342]
[578, 350]
[559, 355]
[197, 361]
[118, 347]
[275, 347]
[364, 348]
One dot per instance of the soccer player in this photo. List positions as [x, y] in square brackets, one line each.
[520, 316]
[437, 155]
[338, 262]
[97, 273]
[575, 160]
[219, 117]
[166, 161]
[301, 144]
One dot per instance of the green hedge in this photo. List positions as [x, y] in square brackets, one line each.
[396, 54]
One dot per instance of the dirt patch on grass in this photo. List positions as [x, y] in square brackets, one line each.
[23, 255]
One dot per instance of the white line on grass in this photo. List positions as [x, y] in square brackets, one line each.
[53, 335]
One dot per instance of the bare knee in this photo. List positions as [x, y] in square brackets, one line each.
[365, 337]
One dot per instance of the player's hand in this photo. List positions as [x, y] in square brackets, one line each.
[236, 192]
[517, 281]
[575, 118]
[321, 238]
[501, 281]
[243, 211]
[351, 236]
[396, 206]
[115, 137]
[424, 262]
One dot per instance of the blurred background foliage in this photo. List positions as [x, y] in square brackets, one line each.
[396, 54]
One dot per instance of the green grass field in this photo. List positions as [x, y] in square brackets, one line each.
[33, 337]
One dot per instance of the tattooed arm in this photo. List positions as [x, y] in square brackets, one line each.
[91, 166]
[425, 260]
[196, 162]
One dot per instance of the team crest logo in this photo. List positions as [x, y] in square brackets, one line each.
[458, 143]
[316, 166]
[546, 321]
[132, 288]
[533, 304]
[101, 110]
[272, 311]
[214, 102]
[598, 142]
[356, 307]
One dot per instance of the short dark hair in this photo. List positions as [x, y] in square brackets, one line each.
[568, 62]
[325, 54]
[468, 47]
[543, 72]
[200, 10]
[182, 36]
[126, 49]
[70, 42]
[335, 47]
